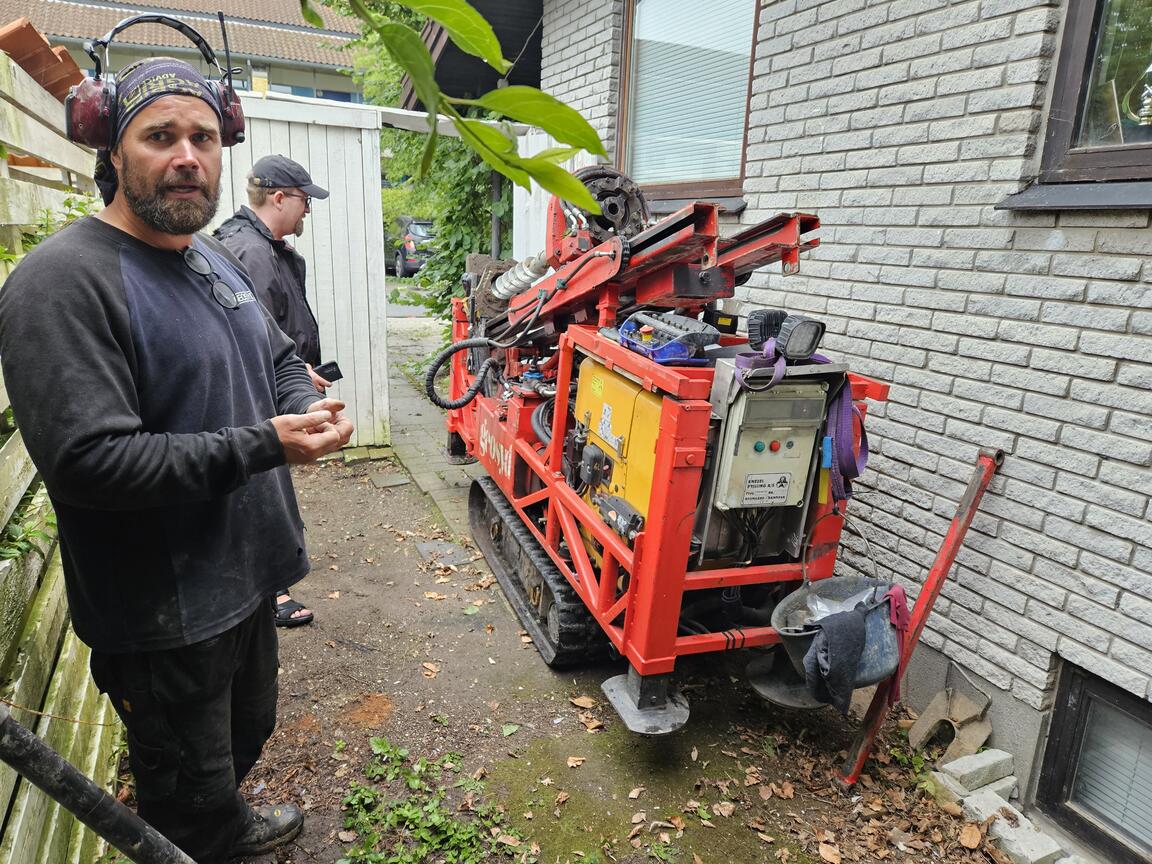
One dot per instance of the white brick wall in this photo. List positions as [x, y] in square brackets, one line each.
[901, 126]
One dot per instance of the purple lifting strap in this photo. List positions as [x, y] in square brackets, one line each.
[847, 463]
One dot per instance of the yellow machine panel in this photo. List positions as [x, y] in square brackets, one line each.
[623, 420]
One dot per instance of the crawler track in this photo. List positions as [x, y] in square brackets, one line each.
[564, 631]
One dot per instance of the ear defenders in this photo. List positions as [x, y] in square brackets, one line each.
[90, 108]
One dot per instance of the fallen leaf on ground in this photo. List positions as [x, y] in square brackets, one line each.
[829, 853]
[430, 670]
[508, 840]
[561, 798]
[677, 822]
[783, 855]
[347, 836]
[433, 595]
[637, 792]
[724, 808]
[696, 859]
[637, 818]
[333, 595]
[970, 836]
[575, 761]
[952, 808]
[695, 754]
[509, 729]
[471, 610]
[786, 790]
[583, 701]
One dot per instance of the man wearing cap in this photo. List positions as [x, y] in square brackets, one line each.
[280, 193]
[161, 404]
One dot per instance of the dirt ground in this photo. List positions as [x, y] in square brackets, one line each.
[431, 658]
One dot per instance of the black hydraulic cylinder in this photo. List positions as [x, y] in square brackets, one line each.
[45, 768]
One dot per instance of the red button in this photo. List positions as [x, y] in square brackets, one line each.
[774, 446]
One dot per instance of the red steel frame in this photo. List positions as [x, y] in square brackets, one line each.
[642, 622]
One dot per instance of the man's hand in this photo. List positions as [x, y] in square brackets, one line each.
[307, 437]
[339, 422]
[317, 382]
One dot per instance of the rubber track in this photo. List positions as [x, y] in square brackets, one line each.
[581, 639]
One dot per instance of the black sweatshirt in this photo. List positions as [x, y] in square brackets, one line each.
[146, 407]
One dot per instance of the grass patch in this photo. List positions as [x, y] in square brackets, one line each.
[414, 810]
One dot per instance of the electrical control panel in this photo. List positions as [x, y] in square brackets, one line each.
[768, 442]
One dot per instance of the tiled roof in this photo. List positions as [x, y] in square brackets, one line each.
[246, 37]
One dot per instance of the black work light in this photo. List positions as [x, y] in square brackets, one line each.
[799, 337]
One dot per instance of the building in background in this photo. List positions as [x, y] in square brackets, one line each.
[273, 46]
[983, 173]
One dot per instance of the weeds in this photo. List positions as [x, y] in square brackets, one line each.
[419, 824]
[22, 535]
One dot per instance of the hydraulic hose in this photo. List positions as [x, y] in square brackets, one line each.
[441, 358]
[540, 423]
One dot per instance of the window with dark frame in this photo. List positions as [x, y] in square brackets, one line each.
[685, 98]
[1096, 779]
[1100, 125]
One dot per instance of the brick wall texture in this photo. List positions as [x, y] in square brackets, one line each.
[581, 45]
[901, 124]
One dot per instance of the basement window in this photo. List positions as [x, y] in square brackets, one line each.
[1096, 780]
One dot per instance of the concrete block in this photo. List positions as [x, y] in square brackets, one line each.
[945, 788]
[1004, 787]
[1016, 836]
[980, 769]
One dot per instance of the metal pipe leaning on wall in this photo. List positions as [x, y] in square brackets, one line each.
[46, 769]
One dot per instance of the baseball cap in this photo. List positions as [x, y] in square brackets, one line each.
[280, 172]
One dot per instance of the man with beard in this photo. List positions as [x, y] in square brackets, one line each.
[161, 404]
[280, 194]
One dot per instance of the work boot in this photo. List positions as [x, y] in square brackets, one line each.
[267, 828]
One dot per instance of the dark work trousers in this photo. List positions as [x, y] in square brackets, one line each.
[197, 718]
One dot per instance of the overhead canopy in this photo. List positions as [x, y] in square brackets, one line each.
[517, 24]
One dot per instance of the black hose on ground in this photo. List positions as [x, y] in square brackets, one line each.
[442, 358]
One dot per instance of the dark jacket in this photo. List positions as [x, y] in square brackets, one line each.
[277, 271]
[146, 407]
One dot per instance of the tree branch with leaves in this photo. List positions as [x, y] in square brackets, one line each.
[495, 145]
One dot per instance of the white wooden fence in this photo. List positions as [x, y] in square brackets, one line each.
[343, 237]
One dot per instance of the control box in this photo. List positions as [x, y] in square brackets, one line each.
[767, 446]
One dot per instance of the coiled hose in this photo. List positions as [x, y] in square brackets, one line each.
[442, 358]
[541, 421]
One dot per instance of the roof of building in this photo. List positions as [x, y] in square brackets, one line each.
[269, 29]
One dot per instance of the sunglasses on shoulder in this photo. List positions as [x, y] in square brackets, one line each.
[222, 292]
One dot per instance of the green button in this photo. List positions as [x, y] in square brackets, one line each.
[758, 446]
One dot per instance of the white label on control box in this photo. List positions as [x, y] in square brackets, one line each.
[766, 490]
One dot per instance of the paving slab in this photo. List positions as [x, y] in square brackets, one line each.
[1014, 833]
[387, 481]
[979, 769]
[444, 552]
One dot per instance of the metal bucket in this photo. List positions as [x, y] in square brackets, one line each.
[881, 653]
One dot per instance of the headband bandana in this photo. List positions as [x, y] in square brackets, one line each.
[138, 86]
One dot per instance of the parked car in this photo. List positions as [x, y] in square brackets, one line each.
[410, 243]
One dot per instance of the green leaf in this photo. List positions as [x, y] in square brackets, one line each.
[466, 27]
[535, 107]
[310, 15]
[429, 151]
[494, 147]
[556, 155]
[509, 729]
[559, 182]
[471, 610]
